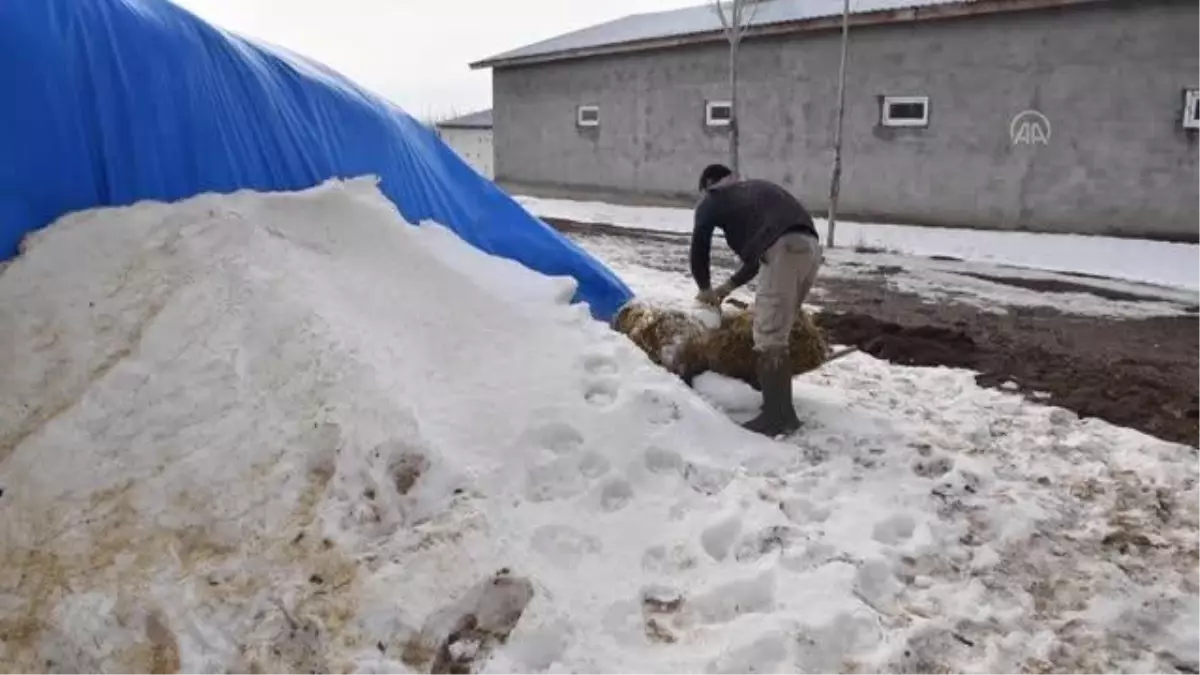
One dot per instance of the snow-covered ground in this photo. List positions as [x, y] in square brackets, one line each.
[290, 432]
[1153, 262]
[656, 270]
[938, 281]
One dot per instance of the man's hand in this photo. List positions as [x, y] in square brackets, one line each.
[715, 296]
[709, 297]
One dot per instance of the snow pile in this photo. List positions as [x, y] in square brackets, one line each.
[1175, 265]
[290, 432]
[281, 432]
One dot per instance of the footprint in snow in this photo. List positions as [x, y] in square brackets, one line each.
[933, 650]
[875, 583]
[593, 465]
[296, 644]
[894, 530]
[601, 385]
[559, 478]
[803, 511]
[570, 469]
[659, 559]
[615, 494]
[565, 477]
[663, 461]
[601, 392]
[659, 407]
[764, 655]
[660, 609]
[827, 647]
[816, 555]
[624, 623]
[773, 538]
[564, 545]
[600, 365]
[717, 538]
[958, 484]
[731, 600]
[461, 637]
[933, 467]
[559, 438]
[602, 389]
[707, 480]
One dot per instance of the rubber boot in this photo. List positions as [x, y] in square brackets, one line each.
[778, 414]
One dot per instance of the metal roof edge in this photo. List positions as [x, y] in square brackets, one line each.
[876, 17]
[451, 125]
[480, 119]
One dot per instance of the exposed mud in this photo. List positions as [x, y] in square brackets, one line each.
[910, 346]
[1133, 373]
[1059, 286]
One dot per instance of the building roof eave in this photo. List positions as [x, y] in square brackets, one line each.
[948, 10]
[602, 50]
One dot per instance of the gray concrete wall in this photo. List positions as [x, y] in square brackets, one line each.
[474, 146]
[1110, 77]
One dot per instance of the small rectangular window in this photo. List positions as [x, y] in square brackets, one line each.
[1191, 109]
[905, 111]
[718, 113]
[588, 116]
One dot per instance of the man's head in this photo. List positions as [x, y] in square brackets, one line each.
[713, 175]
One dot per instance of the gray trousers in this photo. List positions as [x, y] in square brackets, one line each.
[785, 278]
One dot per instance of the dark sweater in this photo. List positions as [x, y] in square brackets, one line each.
[753, 214]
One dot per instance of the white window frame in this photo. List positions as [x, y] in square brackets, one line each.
[889, 101]
[709, 120]
[579, 121]
[1191, 108]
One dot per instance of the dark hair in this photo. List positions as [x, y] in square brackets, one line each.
[712, 174]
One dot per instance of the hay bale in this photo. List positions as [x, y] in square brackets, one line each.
[730, 349]
[672, 338]
[690, 343]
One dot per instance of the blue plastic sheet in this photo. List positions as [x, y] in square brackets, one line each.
[108, 102]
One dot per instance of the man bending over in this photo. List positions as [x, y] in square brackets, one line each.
[770, 230]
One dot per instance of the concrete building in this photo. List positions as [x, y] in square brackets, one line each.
[1046, 115]
[471, 137]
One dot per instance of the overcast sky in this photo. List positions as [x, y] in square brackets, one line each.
[415, 52]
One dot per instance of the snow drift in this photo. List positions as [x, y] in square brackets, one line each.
[290, 432]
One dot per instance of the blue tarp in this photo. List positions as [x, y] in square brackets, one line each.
[108, 102]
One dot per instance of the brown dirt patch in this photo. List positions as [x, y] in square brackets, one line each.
[1059, 286]
[601, 229]
[1082, 275]
[910, 346]
[164, 648]
[1134, 373]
